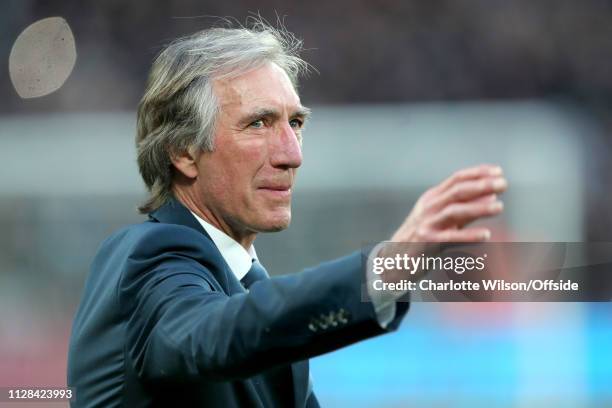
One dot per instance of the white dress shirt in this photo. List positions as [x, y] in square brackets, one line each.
[237, 258]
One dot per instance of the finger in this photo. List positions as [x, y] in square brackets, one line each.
[468, 191]
[470, 173]
[486, 199]
[476, 234]
[460, 214]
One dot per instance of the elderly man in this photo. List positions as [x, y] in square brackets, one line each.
[177, 311]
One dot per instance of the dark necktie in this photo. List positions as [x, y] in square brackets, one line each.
[257, 272]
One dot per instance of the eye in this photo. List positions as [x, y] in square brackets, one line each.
[258, 124]
[296, 123]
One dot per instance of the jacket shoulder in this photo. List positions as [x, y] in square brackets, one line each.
[147, 238]
[139, 248]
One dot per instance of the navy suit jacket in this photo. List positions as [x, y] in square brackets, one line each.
[164, 322]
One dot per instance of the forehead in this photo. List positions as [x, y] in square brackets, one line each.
[267, 86]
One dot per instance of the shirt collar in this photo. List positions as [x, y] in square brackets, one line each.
[237, 258]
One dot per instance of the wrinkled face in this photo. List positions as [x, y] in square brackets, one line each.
[246, 182]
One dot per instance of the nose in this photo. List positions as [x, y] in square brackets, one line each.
[285, 148]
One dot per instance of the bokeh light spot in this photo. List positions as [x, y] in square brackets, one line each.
[42, 57]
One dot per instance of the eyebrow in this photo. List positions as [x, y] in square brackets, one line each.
[301, 112]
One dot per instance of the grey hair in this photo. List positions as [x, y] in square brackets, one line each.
[178, 110]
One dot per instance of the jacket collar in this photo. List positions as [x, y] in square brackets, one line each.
[174, 212]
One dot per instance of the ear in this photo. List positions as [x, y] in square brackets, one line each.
[185, 163]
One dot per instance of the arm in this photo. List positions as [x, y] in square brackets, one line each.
[183, 325]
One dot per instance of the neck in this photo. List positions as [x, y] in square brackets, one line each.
[244, 237]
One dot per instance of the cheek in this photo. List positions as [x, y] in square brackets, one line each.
[215, 178]
[247, 162]
[252, 148]
[234, 166]
[239, 170]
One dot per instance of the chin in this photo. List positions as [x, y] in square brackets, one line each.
[276, 228]
[275, 222]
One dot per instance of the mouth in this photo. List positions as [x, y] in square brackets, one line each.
[279, 191]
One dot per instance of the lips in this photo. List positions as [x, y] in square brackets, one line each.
[280, 191]
[276, 188]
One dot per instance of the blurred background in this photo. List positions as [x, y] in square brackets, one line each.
[406, 92]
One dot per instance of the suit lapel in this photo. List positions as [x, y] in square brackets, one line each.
[174, 212]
